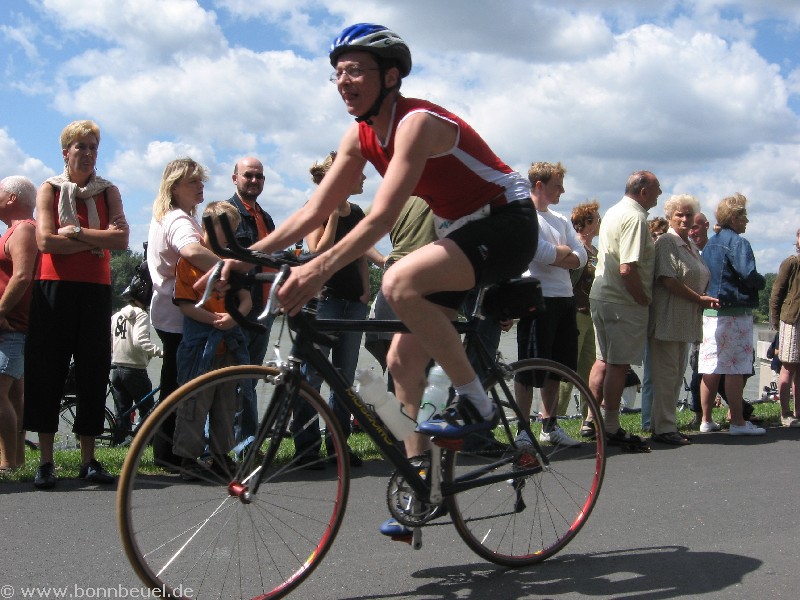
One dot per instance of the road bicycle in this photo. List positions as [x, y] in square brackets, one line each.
[116, 431]
[259, 527]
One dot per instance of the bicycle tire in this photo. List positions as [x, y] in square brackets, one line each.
[556, 501]
[200, 539]
[67, 440]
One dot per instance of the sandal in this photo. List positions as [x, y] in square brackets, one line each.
[673, 438]
[627, 441]
[588, 430]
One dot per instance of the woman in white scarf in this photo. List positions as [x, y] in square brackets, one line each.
[79, 218]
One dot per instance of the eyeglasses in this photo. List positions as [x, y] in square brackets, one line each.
[351, 72]
[256, 176]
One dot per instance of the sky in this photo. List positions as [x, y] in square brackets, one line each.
[704, 93]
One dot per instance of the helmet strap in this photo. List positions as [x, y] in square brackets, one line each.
[376, 106]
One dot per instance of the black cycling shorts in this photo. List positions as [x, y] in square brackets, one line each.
[499, 247]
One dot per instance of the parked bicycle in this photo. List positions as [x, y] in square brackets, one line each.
[259, 529]
[116, 431]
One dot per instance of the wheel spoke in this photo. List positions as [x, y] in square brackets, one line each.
[536, 512]
[223, 539]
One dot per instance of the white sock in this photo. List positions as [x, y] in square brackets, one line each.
[476, 394]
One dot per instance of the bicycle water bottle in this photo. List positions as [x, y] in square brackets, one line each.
[436, 395]
[373, 392]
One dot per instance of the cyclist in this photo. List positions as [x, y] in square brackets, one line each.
[486, 226]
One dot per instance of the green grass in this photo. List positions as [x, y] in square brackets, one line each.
[68, 461]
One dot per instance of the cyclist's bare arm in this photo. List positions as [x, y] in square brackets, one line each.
[420, 136]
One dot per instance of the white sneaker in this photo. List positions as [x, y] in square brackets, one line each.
[790, 421]
[558, 437]
[709, 426]
[747, 429]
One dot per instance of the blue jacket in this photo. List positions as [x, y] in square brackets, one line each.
[198, 348]
[734, 279]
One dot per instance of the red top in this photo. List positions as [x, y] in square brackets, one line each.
[457, 182]
[17, 317]
[82, 266]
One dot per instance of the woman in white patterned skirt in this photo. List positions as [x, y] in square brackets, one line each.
[727, 346]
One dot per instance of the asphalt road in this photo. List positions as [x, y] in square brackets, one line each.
[716, 519]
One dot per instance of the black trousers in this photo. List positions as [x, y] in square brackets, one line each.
[162, 442]
[68, 320]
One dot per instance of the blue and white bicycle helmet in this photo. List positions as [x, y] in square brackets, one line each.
[388, 48]
[376, 39]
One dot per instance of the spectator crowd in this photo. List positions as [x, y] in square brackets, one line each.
[657, 292]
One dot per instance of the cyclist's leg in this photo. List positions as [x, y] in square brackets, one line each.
[437, 267]
[480, 252]
[406, 360]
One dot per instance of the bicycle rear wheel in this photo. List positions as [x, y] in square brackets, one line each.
[219, 536]
[67, 440]
[522, 520]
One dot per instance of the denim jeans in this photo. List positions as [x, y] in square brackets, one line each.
[246, 419]
[128, 386]
[344, 356]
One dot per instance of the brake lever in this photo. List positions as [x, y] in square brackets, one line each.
[216, 272]
[273, 292]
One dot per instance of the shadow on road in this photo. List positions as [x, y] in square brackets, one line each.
[642, 573]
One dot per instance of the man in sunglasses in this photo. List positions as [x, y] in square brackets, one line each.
[255, 225]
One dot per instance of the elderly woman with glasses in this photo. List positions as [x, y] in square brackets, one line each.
[680, 281]
[727, 346]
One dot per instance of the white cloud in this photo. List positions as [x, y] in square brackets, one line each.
[16, 162]
[606, 87]
[149, 29]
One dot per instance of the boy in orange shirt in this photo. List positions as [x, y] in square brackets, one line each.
[211, 340]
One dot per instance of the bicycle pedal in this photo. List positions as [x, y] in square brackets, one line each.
[413, 538]
[449, 443]
[407, 538]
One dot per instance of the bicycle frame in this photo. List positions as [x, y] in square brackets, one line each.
[135, 406]
[307, 330]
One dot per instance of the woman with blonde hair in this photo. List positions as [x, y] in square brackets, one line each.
[727, 346]
[79, 219]
[174, 233]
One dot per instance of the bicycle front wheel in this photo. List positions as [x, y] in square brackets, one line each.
[215, 528]
[537, 503]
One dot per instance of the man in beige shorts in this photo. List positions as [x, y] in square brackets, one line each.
[620, 297]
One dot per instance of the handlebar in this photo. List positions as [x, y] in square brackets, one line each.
[281, 261]
[236, 251]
